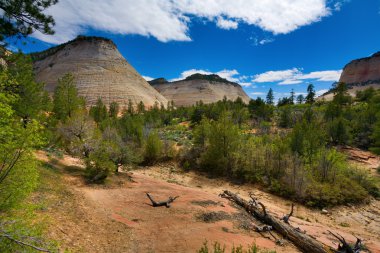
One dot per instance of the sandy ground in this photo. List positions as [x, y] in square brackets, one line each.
[119, 217]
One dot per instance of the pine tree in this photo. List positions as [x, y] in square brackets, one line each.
[292, 97]
[22, 18]
[66, 99]
[32, 97]
[223, 142]
[141, 107]
[310, 98]
[270, 97]
[300, 99]
[114, 110]
[341, 96]
[99, 111]
[131, 109]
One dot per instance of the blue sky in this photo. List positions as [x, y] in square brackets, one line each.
[278, 44]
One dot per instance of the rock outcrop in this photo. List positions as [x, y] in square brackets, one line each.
[208, 88]
[99, 69]
[362, 71]
[359, 75]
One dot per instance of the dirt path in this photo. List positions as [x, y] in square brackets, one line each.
[120, 218]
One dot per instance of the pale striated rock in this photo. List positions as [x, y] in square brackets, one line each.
[359, 75]
[100, 72]
[208, 88]
[362, 71]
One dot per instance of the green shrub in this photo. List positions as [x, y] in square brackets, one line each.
[152, 148]
[99, 166]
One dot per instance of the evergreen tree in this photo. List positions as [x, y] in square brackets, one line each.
[300, 99]
[23, 17]
[223, 142]
[270, 97]
[285, 117]
[292, 97]
[141, 107]
[66, 99]
[99, 111]
[310, 98]
[32, 98]
[114, 110]
[338, 131]
[341, 96]
[131, 109]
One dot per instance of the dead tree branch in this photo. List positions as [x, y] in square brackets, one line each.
[161, 203]
[9, 237]
[287, 217]
[344, 247]
[302, 241]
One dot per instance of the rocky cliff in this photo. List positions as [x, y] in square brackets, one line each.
[208, 88]
[100, 72]
[359, 75]
[362, 71]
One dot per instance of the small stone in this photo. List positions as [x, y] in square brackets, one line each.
[324, 211]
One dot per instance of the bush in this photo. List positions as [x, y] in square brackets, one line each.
[153, 148]
[99, 166]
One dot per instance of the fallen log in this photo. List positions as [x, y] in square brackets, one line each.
[300, 240]
[162, 203]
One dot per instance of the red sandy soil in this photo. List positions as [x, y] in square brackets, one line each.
[119, 218]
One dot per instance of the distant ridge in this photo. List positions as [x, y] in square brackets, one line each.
[199, 87]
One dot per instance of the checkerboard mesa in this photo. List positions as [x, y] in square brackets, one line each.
[99, 69]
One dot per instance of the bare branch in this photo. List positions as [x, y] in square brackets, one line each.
[287, 217]
[162, 203]
[5, 235]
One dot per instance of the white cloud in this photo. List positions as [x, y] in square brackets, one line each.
[148, 78]
[329, 75]
[226, 24]
[265, 41]
[246, 84]
[257, 93]
[169, 20]
[276, 76]
[296, 76]
[290, 81]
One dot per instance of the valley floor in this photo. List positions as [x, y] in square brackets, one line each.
[118, 217]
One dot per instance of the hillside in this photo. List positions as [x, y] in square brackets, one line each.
[208, 88]
[359, 75]
[100, 72]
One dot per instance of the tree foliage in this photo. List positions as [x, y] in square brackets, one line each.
[22, 17]
[66, 99]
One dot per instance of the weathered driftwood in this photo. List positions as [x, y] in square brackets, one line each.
[344, 247]
[301, 240]
[162, 203]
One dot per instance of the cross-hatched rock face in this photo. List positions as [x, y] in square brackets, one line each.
[99, 69]
[188, 92]
[362, 71]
